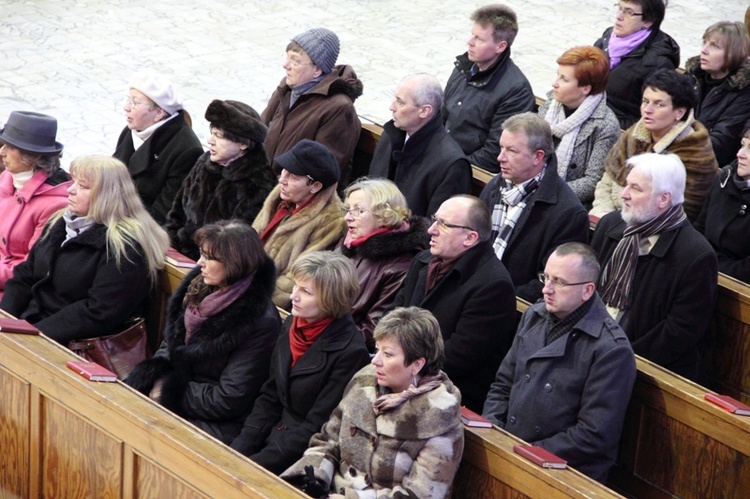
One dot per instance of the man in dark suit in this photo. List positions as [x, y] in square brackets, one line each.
[469, 291]
[659, 277]
[533, 209]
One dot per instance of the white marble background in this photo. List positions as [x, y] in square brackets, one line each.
[72, 59]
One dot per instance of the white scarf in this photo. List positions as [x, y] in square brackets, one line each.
[140, 137]
[566, 129]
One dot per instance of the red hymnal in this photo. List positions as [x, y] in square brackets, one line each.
[732, 405]
[178, 259]
[471, 418]
[19, 326]
[91, 371]
[542, 457]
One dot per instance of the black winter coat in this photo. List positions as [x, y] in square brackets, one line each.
[724, 109]
[674, 292]
[212, 192]
[725, 221]
[76, 291]
[160, 165]
[553, 215]
[295, 402]
[428, 169]
[477, 105]
[214, 380]
[476, 308]
[382, 262]
[625, 84]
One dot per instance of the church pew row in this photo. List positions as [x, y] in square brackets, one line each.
[64, 436]
[675, 443]
[726, 362]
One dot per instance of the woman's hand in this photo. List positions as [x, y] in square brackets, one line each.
[155, 393]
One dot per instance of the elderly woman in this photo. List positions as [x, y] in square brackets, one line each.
[722, 74]
[315, 100]
[230, 180]
[32, 187]
[93, 267]
[584, 128]
[302, 213]
[636, 47]
[381, 242]
[397, 432]
[667, 125]
[221, 330]
[724, 219]
[157, 145]
[315, 357]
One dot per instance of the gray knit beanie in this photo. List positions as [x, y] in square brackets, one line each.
[322, 45]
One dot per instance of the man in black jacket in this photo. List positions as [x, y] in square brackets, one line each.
[486, 87]
[469, 292]
[416, 153]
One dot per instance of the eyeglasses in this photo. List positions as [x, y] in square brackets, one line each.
[294, 62]
[557, 283]
[133, 104]
[445, 225]
[629, 13]
[355, 212]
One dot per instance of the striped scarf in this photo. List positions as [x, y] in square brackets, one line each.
[618, 273]
[506, 213]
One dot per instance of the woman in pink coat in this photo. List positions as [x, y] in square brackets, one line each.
[32, 187]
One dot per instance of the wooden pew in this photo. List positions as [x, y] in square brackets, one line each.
[490, 468]
[726, 359]
[63, 436]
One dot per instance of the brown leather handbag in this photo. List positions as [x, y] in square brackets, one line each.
[119, 352]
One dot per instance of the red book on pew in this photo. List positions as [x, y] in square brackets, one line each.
[19, 326]
[91, 371]
[732, 405]
[471, 418]
[179, 260]
[542, 457]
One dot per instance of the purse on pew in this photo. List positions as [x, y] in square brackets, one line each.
[118, 352]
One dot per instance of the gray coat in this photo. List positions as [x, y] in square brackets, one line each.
[570, 396]
[595, 138]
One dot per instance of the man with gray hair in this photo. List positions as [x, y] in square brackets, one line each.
[659, 278]
[416, 153]
[533, 209]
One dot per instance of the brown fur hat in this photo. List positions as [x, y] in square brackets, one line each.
[238, 118]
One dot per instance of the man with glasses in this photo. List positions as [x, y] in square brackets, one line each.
[416, 152]
[469, 291]
[659, 276]
[533, 209]
[566, 381]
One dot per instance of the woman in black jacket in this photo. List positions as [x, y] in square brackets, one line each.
[636, 47]
[93, 267]
[722, 79]
[221, 329]
[313, 361]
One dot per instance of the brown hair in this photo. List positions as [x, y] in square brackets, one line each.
[736, 43]
[591, 67]
[502, 18]
[233, 243]
[417, 331]
[334, 278]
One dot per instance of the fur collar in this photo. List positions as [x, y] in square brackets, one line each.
[211, 339]
[677, 132]
[316, 208]
[739, 80]
[432, 414]
[393, 243]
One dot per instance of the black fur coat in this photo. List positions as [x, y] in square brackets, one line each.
[212, 192]
[214, 379]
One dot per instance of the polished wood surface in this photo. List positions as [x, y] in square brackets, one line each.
[64, 436]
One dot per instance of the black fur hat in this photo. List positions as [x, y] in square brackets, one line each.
[238, 118]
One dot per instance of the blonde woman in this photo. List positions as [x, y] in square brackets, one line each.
[93, 267]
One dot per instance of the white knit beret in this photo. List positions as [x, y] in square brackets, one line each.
[157, 88]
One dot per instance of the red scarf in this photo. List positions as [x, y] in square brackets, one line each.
[302, 334]
[283, 212]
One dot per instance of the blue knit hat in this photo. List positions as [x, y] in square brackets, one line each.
[322, 45]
